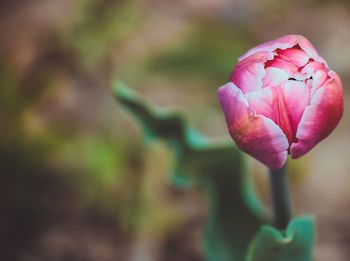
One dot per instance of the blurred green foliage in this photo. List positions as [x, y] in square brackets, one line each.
[206, 55]
[10, 109]
[99, 26]
[100, 160]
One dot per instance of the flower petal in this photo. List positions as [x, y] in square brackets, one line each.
[299, 76]
[319, 74]
[284, 105]
[284, 42]
[311, 67]
[289, 68]
[274, 77]
[264, 140]
[257, 135]
[248, 74]
[234, 105]
[320, 117]
[261, 102]
[294, 56]
[296, 97]
[307, 46]
[319, 79]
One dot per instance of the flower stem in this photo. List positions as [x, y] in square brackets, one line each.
[280, 197]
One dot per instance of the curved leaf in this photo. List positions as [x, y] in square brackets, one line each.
[294, 244]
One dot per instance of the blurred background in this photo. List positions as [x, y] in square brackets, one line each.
[77, 182]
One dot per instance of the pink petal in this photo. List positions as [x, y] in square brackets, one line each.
[234, 105]
[289, 68]
[284, 42]
[319, 74]
[264, 140]
[261, 102]
[284, 105]
[297, 97]
[319, 79]
[320, 117]
[257, 135]
[274, 77]
[294, 56]
[262, 56]
[299, 76]
[312, 67]
[248, 74]
[307, 46]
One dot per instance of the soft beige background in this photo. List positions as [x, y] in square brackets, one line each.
[80, 185]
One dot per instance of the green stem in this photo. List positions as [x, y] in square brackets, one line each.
[280, 197]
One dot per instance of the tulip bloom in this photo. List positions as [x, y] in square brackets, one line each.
[282, 99]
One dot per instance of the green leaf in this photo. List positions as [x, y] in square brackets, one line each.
[294, 244]
[235, 213]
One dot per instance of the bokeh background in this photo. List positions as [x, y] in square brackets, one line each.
[76, 180]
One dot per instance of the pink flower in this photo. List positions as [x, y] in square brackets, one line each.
[281, 99]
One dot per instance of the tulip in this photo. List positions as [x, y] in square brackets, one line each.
[281, 99]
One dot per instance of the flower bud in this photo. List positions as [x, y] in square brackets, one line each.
[282, 99]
